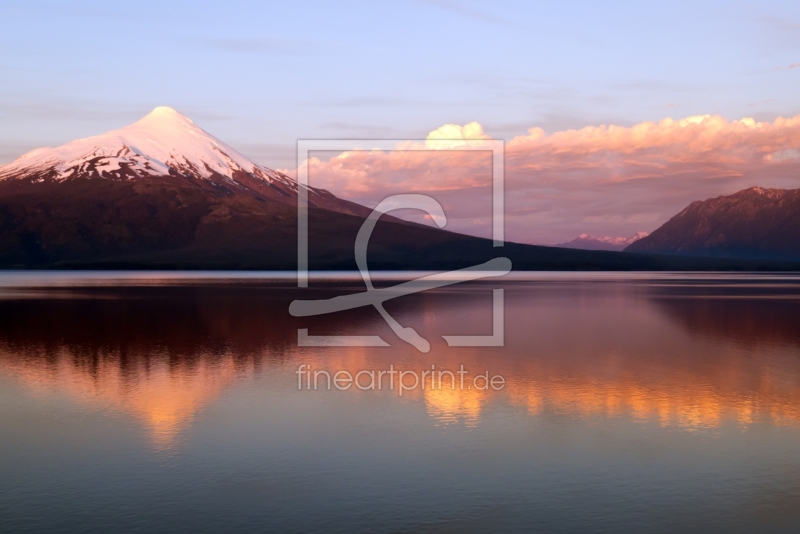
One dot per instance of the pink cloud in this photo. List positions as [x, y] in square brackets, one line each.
[698, 138]
[606, 180]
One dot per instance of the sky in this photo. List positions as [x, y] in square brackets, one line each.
[262, 75]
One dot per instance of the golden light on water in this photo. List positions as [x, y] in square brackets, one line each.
[571, 354]
[448, 406]
[165, 395]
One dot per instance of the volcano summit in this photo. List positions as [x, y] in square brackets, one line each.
[164, 144]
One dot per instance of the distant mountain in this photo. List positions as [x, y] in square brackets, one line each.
[754, 223]
[164, 194]
[589, 242]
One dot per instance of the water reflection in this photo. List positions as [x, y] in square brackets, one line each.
[163, 396]
[689, 356]
[747, 315]
[159, 354]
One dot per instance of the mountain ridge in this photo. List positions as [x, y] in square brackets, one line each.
[757, 223]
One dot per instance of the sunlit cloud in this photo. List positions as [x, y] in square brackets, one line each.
[606, 180]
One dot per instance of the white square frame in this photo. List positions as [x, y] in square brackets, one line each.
[305, 147]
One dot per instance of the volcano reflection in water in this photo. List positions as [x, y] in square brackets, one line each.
[206, 366]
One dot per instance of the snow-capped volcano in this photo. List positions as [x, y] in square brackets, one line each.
[164, 145]
[163, 142]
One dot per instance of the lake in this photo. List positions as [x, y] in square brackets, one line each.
[181, 402]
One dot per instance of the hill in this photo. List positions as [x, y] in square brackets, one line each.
[755, 223]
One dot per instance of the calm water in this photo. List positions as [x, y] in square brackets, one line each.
[163, 403]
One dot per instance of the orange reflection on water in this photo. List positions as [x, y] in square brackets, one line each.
[684, 400]
[582, 352]
[164, 396]
[448, 406]
[731, 385]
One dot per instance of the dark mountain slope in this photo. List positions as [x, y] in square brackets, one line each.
[165, 224]
[755, 223]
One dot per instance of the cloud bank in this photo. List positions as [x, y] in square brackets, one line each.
[602, 180]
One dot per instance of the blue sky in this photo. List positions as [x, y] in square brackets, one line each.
[261, 75]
